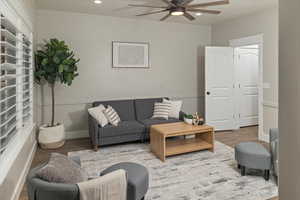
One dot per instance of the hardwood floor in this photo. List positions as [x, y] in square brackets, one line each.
[230, 138]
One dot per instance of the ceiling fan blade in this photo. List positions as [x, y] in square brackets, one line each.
[150, 13]
[186, 2]
[216, 12]
[169, 3]
[189, 16]
[165, 17]
[146, 6]
[216, 3]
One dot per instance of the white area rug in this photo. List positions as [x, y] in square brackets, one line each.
[195, 176]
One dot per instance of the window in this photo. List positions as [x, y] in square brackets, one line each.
[16, 82]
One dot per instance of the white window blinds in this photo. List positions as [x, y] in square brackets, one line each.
[16, 82]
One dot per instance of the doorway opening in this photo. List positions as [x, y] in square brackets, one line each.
[247, 81]
[233, 84]
[248, 61]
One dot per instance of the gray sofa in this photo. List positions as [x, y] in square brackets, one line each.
[274, 138]
[135, 123]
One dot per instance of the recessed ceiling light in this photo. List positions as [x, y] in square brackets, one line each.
[199, 14]
[97, 1]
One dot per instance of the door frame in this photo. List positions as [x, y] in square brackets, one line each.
[245, 41]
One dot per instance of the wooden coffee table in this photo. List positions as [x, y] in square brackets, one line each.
[162, 145]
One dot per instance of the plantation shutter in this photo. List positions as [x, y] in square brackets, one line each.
[16, 82]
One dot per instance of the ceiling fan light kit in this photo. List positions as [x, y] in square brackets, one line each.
[97, 1]
[177, 12]
[182, 8]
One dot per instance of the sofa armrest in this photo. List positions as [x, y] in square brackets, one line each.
[181, 115]
[274, 134]
[93, 130]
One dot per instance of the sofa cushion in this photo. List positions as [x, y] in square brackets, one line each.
[144, 108]
[123, 128]
[149, 122]
[125, 108]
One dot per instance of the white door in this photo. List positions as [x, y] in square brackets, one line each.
[219, 87]
[247, 68]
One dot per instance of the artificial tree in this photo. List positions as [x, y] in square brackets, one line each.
[55, 62]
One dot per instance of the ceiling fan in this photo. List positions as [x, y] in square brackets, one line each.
[182, 7]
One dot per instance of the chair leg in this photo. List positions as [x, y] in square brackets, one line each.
[267, 174]
[143, 198]
[243, 170]
[239, 166]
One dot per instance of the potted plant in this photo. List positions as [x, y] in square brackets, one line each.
[54, 62]
[188, 119]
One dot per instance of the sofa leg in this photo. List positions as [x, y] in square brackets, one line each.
[95, 147]
[243, 170]
[267, 175]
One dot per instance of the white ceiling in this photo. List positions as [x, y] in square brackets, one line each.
[119, 8]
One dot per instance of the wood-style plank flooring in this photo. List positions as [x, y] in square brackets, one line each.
[230, 138]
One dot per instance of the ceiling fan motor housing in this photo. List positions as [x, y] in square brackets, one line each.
[177, 2]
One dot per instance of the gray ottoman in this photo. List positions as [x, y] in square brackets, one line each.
[254, 156]
[138, 179]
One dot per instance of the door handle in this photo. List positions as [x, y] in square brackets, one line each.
[208, 93]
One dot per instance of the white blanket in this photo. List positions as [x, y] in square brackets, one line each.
[112, 186]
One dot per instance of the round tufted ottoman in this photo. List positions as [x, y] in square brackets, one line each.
[138, 179]
[253, 155]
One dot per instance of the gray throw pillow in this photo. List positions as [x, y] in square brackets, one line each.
[61, 169]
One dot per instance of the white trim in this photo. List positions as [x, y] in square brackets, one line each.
[258, 40]
[12, 151]
[245, 41]
[264, 137]
[22, 178]
[270, 104]
[19, 11]
[77, 134]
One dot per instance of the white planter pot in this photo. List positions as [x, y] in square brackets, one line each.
[188, 121]
[51, 137]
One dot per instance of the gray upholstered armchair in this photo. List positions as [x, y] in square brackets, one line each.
[38, 189]
[274, 138]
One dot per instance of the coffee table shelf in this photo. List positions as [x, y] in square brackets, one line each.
[179, 146]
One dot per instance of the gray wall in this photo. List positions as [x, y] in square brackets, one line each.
[175, 56]
[266, 23]
[289, 100]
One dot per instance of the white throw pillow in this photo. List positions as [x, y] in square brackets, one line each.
[97, 113]
[175, 108]
[112, 116]
[161, 110]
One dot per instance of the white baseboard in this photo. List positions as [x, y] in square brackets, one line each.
[22, 178]
[77, 134]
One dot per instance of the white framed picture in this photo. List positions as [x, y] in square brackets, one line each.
[130, 55]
